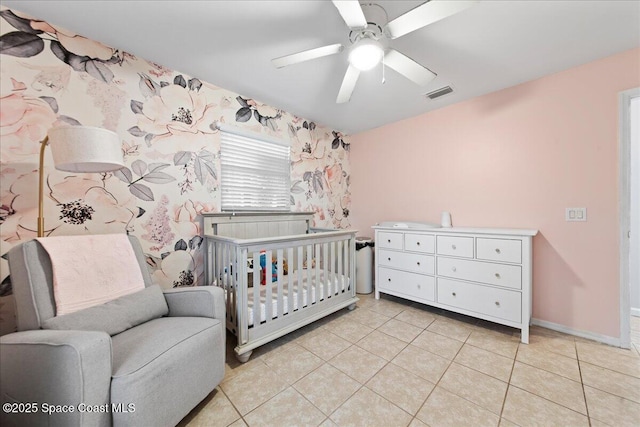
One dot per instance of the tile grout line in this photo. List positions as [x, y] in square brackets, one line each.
[513, 366]
[584, 393]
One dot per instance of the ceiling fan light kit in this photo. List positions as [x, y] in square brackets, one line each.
[370, 34]
[366, 53]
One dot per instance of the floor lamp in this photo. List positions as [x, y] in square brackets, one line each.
[79, 149]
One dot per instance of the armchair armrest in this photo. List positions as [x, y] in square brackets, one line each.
[47, 367]
[197, 301]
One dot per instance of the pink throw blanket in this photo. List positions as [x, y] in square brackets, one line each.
[90, 270]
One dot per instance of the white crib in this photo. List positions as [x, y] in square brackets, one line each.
[263, 301]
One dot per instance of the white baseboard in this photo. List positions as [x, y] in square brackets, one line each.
[635, 312]
[605, 339]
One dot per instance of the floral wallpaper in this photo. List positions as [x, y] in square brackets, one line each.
[166, 120]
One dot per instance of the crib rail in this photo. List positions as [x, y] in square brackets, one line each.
[294, 280]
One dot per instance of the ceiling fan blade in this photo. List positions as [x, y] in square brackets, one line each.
[306, 55]
[425, 14]
[408, 67]
[352, 13]
[348, 84]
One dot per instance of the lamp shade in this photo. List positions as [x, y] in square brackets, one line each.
[85, 149]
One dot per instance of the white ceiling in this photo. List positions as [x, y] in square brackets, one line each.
[491, 46]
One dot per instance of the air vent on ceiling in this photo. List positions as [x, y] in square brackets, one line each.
[439, 92]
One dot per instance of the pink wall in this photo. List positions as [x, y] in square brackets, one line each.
[516, 158]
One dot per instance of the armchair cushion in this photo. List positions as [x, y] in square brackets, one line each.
[114, 316]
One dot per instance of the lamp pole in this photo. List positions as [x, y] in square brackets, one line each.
[43, 145]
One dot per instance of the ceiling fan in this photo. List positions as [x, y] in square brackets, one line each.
[370, 37]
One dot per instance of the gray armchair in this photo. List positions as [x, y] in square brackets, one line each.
[145, 359]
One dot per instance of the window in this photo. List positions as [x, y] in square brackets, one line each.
[255, 171]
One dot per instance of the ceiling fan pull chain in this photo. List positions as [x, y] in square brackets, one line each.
[383, 80]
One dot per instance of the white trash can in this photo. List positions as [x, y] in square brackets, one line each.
[364, 265]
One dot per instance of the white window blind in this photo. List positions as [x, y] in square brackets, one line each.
[255, 171]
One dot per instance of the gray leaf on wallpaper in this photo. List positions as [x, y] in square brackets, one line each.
[296, 188]
[147, 86]
[164, 84]
[293, 132]
[51, 101]
[272, 124]
[18, 23]
[141, 191]
[195, 242]
[211, 168]
[136, 106]
[155, 167]
[207, 156]
[195, 84]
[181, 245]
[21, 44]
[242, 101]
[197, 168]
[139, 167]
[98, 70]
[69, 120]
[124, 175]
[158, 178]
[136, 131]
[243, 114]
[292, 201]
[179, 80]
[147, 138]
[181, 158]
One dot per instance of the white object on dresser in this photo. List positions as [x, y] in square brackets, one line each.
[481, 272]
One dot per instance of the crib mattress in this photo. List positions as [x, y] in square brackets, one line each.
[311, 293]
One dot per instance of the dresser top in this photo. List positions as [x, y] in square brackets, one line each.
[461, 230]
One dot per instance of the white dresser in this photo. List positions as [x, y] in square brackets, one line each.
[484, 273]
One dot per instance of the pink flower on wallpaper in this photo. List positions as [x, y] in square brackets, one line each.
[72, 41]
[174, 270]
[81, 204]
[158, 227]
[185, 217]
[24, 121]
[176, 110]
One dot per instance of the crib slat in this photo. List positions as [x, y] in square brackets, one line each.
[300, 272]
[256, 289]
[280, 272]
[321, 287]
[325, 273]
[290, 281]
[338, 280]
[309, 285]
[268, 304]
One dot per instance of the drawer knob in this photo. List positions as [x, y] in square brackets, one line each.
[497, 303]
[497, 275]
[453, 269]
[389, 279]
[418, 243]
[418, 263]
[453, 293]
[453, 247]
[388, 240]
[497, 250]
[418, 286]
[389, 258]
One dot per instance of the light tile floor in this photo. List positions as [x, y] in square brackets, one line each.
[393, 363]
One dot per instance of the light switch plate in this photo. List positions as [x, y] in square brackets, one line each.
[575, 214]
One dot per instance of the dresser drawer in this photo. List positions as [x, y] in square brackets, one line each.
[409, 284]
[389, 240]
[494, 302]
[508, 276]
[499, 250]
[419, 243]
[455, 246]
[418, 263]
